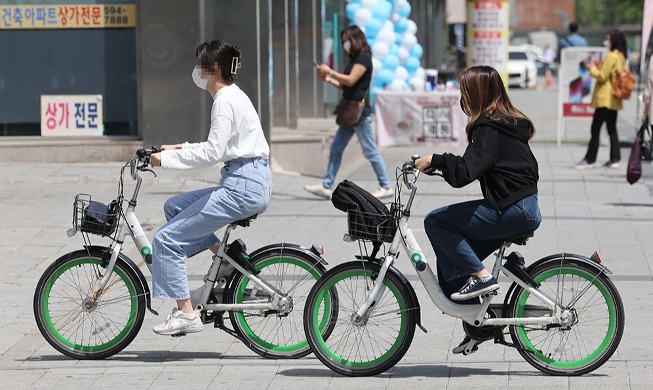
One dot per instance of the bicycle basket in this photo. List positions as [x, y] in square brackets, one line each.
[95, 217]
[372, 226]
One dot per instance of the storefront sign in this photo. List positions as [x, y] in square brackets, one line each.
[409, 118]
[76, 115]
[14, 17]
[488, 32]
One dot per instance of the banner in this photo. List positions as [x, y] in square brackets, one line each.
[409, 118]
[14, 17]
[488, 32]
[76, 115]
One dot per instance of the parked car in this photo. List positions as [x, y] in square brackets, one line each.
[522, 67]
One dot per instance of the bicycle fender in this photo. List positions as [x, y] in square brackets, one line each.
[413, 295]
[288, 247]
[126, 260]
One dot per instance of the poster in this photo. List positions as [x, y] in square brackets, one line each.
[419, 118]
[575, 85]
[489, 34]
[71, 115]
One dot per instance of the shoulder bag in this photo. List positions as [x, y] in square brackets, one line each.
[349, 112]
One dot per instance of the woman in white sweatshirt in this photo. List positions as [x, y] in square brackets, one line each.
[236, 138]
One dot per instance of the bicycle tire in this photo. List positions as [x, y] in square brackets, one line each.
[276, 336]
[94, 331]
[597, 329]
[385, 336]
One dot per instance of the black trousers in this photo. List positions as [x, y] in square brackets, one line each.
[610, 118]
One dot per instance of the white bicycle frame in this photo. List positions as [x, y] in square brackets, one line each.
[131, 227]
[472, 314]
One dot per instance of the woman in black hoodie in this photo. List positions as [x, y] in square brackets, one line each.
[499, 157]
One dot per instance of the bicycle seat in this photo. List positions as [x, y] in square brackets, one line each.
[245, 222]
[521, 238]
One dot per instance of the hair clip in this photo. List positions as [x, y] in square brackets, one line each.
[235, 65]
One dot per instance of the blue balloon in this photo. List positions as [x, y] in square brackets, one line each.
[390, 62]
[411, 64]
[372, 28]
[351, 9]
[373, 92]
[354, 1]
[417, 51]
[384, 77]
[394, 49]
[401, 26]
[404, 12]
[383, 10]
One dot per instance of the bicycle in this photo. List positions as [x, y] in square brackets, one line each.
[90, 303]
[563, 313]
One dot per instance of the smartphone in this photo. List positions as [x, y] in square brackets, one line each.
[315, 64]
[575, 90]
[585, 76]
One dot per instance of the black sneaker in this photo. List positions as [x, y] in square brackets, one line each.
[474, 288]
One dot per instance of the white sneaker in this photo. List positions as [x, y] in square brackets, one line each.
[611, 164]
[381, 193]
[178, 323]
[583, 164]
[319, 190]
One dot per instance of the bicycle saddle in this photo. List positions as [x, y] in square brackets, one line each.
[521, 239]
[245, 222]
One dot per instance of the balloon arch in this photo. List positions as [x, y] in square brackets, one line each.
[390, 33]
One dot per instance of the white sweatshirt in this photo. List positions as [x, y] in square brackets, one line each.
[235, 132]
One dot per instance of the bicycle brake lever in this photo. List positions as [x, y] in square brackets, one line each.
[149, 170]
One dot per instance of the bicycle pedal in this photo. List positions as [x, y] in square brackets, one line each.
[178, 335]
[489, 294]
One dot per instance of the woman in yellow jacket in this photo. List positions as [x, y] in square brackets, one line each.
[605, 104]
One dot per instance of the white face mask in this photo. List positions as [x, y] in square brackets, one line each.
[606, 43]
[197, 78]
[346, 46]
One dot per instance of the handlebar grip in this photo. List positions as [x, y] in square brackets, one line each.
[141, 153]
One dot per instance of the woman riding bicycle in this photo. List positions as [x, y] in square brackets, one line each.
[235, 138]
[499, 157]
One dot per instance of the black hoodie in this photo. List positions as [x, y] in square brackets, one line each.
[498, 156]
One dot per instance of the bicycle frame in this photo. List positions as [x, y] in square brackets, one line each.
[131, 227]
[472, 314]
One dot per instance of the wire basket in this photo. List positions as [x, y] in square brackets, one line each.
[95, 217]
[373, 226]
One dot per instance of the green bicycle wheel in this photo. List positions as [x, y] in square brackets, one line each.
[372, 345]
[596, 309]
[72, 321]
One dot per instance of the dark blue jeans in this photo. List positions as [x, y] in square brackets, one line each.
[464, 234]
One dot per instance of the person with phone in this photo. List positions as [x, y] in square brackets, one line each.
[355, 84]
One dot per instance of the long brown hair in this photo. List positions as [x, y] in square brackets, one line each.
[358, 41]
[482, 93]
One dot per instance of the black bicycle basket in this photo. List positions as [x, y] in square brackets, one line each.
[94, 217]
[373, 226]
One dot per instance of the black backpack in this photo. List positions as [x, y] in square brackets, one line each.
[368, 217]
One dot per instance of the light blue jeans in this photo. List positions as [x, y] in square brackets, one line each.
[194, 217]
[464, 234]
[365, 136]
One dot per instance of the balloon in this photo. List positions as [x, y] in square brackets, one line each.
[394, 49]
[351, 9]
[408, 41]
[399, 4]
[386, 35]
[369, 4]
[354, 1]
[401, 25]
[389, 25]
[405, 11]
[397, 85]
[390, 62]
[395, 17]
[377, 65]
[417, 51]
[421, 73]
[373, 92]
[412, 27]
[416, 84]
[380, 49]
[372, 28]
[383, 10]
[411, 64]
[401, 73]
[403, 54]
[384, 77]
[362, 16]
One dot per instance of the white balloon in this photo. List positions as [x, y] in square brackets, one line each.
[421, 73]
[386, 35]
[408, 41]
[416, 84]
[403, 54]
[395, 17]
[377, 65]
[399, 4]
[369, 4]
[362, 16]
[401, 73]
[397, 85]
[380, 50]
[412, 27]
[389, 25]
